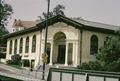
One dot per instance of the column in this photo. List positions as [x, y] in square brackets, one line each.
[13, 43]
[73, 55]
[76, 54]
[66, 54]
[18, 45]
[51, 53]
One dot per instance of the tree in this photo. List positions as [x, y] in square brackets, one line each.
[5, 13]
[108, 57]
[110, 52]
[16, 59]
[59, 9]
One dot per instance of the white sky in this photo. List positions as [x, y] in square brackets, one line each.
[105, 11]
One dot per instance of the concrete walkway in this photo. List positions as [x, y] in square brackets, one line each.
[22, 74]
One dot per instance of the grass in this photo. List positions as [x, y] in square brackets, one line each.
[4, 78]
[15, 66]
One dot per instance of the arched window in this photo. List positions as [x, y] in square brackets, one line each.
[27, 45]
[34, 43]
[93, 45]
[10, 49]
[21, 45]
[15, 47]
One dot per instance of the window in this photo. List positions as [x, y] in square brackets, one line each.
[10, 49]
[27, 45]
[15, 47]
[34, 43]
[21, 45]
[93, 45]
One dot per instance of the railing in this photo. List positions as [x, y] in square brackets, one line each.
[61, 74]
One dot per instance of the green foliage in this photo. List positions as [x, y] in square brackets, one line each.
[26, 63]
[110, 52]
[59, 9]
[91, 66]
[2, 55]
[114, 66]
[5, 13]
[16, 58]
[9, 62]
[108, 57]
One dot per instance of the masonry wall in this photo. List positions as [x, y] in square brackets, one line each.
[72, 36]
[31, 56]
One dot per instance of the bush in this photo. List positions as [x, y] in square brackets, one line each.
[9, 62]
[16, 59]
[91, 66]
[26, 63]
[2, 55]
[114, 66]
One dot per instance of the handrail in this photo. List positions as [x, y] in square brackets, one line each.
[87, 73]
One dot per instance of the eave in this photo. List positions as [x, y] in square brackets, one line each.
[60, 18]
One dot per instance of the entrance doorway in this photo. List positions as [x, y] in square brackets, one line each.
[59, 47]
[61, 54]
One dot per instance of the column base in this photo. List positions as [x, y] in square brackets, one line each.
[50, 64]
[65, 64]
[75, 65]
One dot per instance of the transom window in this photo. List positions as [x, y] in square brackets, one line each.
[93, 44]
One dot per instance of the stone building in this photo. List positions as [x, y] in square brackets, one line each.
[70, 41]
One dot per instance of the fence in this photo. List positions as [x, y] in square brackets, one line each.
[60, 74]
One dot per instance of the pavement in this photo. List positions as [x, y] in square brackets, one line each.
[23, 74]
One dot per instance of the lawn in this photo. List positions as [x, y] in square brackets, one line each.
[15, 66]
[3, 78]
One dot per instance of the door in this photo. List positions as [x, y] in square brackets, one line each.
[61, 54]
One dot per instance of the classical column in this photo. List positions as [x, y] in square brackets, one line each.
[73, 55]
[66, 54]
[51, 53]
[76, 54]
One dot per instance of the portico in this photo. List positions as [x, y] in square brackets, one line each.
[62, 50]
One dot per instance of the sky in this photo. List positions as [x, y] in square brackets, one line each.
[103, 11]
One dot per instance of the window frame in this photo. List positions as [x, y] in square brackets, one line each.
[34, 44]
[27, 45]
[21, 45]
[93, 44]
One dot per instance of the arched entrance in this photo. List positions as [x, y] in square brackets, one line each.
[60, 47]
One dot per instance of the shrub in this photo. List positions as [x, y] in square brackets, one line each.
[26, 63]
[2, 55]
[91, 66]
[16, 59]
[9, 62]
[114, 66]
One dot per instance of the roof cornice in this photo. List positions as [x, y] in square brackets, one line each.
[60, 18]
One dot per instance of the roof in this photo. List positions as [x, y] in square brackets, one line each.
[96, 24]
[22, 23]
[77, 23]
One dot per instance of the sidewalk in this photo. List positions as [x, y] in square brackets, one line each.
[23, 74]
